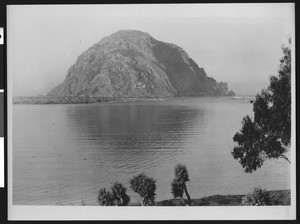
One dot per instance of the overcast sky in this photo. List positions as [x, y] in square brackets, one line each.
[236, 43]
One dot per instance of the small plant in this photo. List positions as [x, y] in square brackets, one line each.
[259, 197]
[178, 186]
[116, 197]
[145, 187]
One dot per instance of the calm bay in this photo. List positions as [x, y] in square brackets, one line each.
[63, 153]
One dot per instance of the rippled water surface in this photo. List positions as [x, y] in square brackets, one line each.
[63, 154]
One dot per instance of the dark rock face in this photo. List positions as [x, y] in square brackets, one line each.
[131, 63]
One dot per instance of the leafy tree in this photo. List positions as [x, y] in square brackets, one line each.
[178, 186]
[268, 135]
[117, 196]
[145, 187]
[259, 197]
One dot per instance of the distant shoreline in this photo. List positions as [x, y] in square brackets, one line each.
[60, 100]
[86, 99]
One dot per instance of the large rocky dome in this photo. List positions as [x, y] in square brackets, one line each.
[131, 63]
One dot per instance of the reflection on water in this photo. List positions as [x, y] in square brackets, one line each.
[134, 135]
[63, 154]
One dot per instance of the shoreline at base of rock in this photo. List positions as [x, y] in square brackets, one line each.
[86, 100]
[61, 100]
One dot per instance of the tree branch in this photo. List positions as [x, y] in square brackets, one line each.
[284, 157]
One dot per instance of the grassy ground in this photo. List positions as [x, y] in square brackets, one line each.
[278, 197]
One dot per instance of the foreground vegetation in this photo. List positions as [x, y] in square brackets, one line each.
[277, 197]
[145, 187]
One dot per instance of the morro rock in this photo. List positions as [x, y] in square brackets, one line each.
[131, 63]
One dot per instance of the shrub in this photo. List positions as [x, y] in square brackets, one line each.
[145, 187]
[105, 197]
[181, 173]
[117, 196]
[178, 186]
[120, 198]
[259, 197]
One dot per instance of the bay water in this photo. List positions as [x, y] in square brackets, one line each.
[64, 153]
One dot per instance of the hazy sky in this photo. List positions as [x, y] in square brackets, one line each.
[236, 43]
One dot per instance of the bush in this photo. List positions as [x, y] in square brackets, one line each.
[120, 197]
[178, 186]
[145, 187]
[259, 197]
[105, 197]
[181, 173]
[117, 196]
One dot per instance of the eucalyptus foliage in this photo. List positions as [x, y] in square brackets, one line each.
[268, 135]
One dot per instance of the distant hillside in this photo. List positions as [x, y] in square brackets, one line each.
[131, 63]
